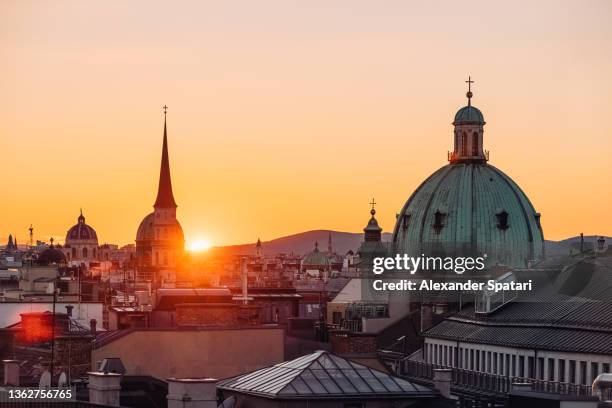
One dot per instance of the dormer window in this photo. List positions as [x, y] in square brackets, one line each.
[537, 218]
[439, 218]
[405, 221]
[502, 220]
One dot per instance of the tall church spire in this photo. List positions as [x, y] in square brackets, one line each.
[165, 198]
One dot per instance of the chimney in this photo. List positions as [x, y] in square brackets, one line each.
[11, 372]
[104, 388]
[92, 326]
[192, 393]
[442, 381]
[581, 242]
[245, 280]
[69, 310]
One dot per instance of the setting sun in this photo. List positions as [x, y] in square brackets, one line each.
[199, 245]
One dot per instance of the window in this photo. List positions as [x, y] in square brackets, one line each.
[84, 252]
[488, 370]
[464, 144]
[502, 220]
[521, 367]
[540, 368]
[551, 369]
[561, 373]
[594, 370]
[572, 371]
[336, 317]
[514, 366]
[605, 368]
[74, 252]
[471, 359]
[475, 144]
[405, 221]
[507, 365]
[439, 221]
[531, 367]
[494, 363]
[583, 372]
[354, 405]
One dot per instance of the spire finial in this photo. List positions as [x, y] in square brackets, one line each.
[165, 108]
[469, 93]
[373, 203]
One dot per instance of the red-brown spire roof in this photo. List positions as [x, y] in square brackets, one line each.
[165, 198]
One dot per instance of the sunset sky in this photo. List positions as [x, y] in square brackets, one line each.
[286, 116]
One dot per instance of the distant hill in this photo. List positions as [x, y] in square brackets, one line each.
[302, 243]
[342, 242]
[562, 247]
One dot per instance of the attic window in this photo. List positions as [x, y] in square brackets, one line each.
[537, 217]
[405, 221]
[439, 221]
[502, 220]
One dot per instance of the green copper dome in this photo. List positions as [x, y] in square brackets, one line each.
[469, 114]
[470, 209]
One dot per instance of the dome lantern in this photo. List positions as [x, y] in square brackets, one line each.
[469, 128]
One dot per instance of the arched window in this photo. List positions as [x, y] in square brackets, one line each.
[475, 149]
[95, 253]
[84, 252]
[74, 253]
[464, 144]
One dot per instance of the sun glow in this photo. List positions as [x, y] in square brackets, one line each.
[199, 245]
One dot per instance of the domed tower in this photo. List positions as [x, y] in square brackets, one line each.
[81, 244]
[469, 207]
[159, 240]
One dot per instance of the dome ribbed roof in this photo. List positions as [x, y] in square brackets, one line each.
[469, 114]
[51, 255]
[470, 209]
[145, 229]
[316, 257]
[81, 232]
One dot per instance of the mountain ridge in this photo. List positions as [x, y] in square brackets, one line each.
[302, 243]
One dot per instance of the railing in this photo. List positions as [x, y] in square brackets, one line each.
[490, 383]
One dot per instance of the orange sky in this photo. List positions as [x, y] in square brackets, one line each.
[288, 116]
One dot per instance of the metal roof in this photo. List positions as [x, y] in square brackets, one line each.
[573, 313]
[323, 375]
[454, 213]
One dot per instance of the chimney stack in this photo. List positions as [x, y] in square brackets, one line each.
[192, 393]
[92, 326]
[11, 372]
[104, 388]
[442, 381]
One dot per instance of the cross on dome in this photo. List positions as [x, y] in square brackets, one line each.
[469, 93]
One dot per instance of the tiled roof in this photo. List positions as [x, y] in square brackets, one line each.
[573, 313]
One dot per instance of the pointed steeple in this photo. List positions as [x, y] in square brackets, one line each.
[165, 198]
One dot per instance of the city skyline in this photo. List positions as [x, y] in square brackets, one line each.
[263, 143]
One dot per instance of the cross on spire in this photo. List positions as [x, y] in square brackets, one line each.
[165, 108]
[373, 203]
[469, 92]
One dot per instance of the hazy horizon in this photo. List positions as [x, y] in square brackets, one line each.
[288, 117]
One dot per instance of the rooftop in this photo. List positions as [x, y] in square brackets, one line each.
[323, 375]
